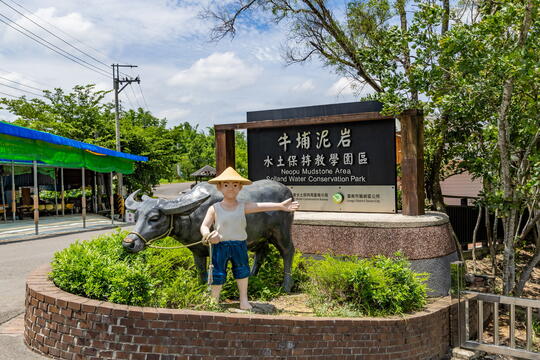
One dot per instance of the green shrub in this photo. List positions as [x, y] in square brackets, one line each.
[375, 287]
[101, 269]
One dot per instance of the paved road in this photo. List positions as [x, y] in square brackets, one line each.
[171, 191]
[17, 260]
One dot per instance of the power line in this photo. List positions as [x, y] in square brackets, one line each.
[16, 82]
[135, 96]
[129, 100]
[70, 56]
[16, 88]
[140, 90]
[62, 31]
[144, 99]
[13, 96]
[26, 77]
[59, 38]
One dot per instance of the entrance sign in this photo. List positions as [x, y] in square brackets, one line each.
[349, 166]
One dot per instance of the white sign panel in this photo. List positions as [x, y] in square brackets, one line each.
[381, 199]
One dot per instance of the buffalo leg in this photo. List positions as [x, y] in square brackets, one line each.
[283, 243]
[288, 256]
[200, 264]
[260, 254]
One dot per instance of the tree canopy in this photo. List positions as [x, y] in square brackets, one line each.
[84, 115]
[471, 66]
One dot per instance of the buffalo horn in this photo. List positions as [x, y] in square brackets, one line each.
[131, 203]
[185, 204]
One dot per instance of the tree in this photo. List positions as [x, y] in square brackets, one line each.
[476, 78]
[83, 115]
[195, 149]
[494, 66]
[80, 115]
[380, 45]
[146, 135]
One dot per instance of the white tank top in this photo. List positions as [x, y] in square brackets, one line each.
[231, 224]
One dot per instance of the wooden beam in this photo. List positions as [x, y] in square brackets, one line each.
[316, 120]
[225, 155]
[412, 162]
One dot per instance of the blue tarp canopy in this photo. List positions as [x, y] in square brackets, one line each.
[23, 144]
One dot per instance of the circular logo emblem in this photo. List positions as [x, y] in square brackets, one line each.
[338, 198]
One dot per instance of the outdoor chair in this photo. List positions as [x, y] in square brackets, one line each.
[49, 208]
[41, 208]
[70, 206]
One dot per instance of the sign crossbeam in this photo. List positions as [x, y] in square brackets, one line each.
[315, 120]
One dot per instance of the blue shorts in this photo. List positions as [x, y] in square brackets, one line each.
[237, 253]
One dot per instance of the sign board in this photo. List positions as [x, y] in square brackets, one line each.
[329, 167]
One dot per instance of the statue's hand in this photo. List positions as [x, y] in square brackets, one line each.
[290, 205]
[214, 237]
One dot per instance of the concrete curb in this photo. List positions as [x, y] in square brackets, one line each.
[370, 220]
[46, 236]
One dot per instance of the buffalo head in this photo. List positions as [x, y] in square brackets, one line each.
[155, 217]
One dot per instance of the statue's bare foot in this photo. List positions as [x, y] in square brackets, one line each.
[245, 306]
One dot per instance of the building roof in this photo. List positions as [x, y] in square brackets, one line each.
[205, 171]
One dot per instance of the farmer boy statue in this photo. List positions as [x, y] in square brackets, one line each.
[229, 236]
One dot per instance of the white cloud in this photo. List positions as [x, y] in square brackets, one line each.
[186, 99]
[14, 76]
[268, 54]
[184, 77]
[344, 86]
[174, 114]
[72, 23]
[348, 87]
[217, 72]
[305, 86]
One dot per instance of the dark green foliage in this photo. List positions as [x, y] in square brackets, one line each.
[375, 287]
[101, 269]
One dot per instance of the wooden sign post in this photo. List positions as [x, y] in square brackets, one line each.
[412, 162]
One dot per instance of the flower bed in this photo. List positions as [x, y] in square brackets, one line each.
[67, 326]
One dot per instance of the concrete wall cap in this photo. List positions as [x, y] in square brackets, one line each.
[374, 220]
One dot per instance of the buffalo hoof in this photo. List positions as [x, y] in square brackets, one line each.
[287, 285]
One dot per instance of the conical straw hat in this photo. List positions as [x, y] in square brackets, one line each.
[229, 174]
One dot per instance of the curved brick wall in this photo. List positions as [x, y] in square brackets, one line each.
[67, 326]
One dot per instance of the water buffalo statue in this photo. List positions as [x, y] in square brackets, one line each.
[181, 219]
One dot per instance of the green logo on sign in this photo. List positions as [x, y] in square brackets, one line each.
[338, 198]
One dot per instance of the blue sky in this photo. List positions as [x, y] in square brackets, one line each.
[184, 77]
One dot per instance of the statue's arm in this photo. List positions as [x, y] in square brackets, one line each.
[287, 205]
[207, 223]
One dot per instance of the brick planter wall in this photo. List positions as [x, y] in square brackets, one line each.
[66, 326]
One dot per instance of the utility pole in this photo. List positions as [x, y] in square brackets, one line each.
[117, 81]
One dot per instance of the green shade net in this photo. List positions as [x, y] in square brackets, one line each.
[16, 148]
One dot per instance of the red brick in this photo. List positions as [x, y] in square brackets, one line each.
[74, 305]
